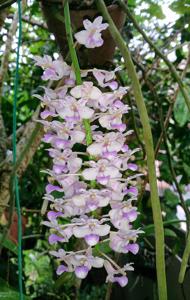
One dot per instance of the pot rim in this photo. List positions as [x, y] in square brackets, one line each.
[47, 2]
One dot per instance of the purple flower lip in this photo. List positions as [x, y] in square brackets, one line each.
[133, 248]
[122, 280]
[52, 215]
[103, 179]
[69, 81]
[125, 148]
[92, 239]
[121, 127]
[118, 104]
[53, 239]
[132, 190]
[46, 113]
[61, 269]
[81, 272]
[60, 143]
[132, 167]
[72, 119]
[51, 188]
[130, 215]
[48, 137]
[109, 155]
[113, 85]
[58, 169]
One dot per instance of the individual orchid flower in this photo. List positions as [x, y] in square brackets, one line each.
[63, 236]
[106, 78]
[62, 131]
[86, 91]
[113, 118]
[121, 243]
[102, 171]
[72, 110]
[91, 37]
[92, 199]
[83, 263]
[91, 230]
[122, 214]
[117, 275]
[64, 161]
[53, 222]
[80, 263]
[106, 145]
[53, 70]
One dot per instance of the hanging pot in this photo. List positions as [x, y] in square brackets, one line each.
[13, 230]
[53, 13]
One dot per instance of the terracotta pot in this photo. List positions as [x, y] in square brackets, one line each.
[93, 57]
[13, 231]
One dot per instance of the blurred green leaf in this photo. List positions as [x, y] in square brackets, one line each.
[155, 10]
[103, 247]
[181, 7]
[68, 278]
[169, 232]
[170, 198]
[181, 112]
[10, 245]
[8, 293]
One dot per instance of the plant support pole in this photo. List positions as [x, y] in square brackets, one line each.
[156, 208]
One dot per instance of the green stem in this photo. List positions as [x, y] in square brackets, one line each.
[76, 66]
[158, 52]
[184, 262]
[157, 215]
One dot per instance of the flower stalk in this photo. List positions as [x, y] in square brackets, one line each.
[156, 208]
[76, 66]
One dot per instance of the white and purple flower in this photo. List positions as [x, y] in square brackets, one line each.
[91, 37]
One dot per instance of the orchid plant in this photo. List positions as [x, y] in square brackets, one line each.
[90, 192]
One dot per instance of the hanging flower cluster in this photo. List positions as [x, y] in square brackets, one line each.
[91, 184]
